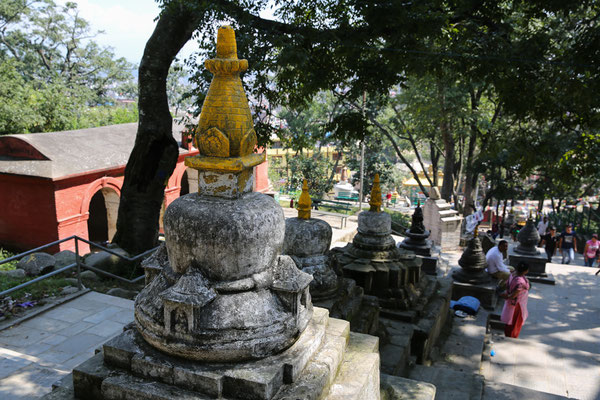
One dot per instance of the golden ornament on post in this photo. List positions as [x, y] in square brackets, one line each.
[375, 201]
[304, 202]
[225, 134]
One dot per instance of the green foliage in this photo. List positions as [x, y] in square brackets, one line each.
[4, 254]
[377, 161]
[315, 169]
[51, 70]
[48, 287]
[401, 219]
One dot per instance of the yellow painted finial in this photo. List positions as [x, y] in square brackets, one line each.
[225, 135]
[226, 44]
[304, 202]
[375, 201]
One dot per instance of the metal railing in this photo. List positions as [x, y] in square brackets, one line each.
[78, 264]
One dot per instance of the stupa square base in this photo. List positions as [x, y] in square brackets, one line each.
[484, 292]
[537, 266]
[327, 362]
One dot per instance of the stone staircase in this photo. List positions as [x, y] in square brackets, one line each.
[463, 370]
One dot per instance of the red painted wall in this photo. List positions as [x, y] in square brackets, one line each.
[28, 212]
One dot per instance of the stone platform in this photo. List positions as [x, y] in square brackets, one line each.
[327, 362]
[537, 265]
[484, 292]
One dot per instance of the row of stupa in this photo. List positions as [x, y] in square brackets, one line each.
[224, 314]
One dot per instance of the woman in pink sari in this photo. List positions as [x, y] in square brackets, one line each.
[515, 312]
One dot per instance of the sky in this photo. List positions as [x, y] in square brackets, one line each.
[127, 25]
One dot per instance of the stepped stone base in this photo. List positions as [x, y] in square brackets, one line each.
[414, 333]
[351, 304]
[326, 362]
[537, 266]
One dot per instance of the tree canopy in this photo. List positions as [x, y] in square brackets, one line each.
[492, 74]
[53, 72]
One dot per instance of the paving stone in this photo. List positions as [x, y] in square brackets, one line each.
[54, 339]
[75, 329]
[503, 391]
[8, 365]
[106, 329]
[80, 343]
[44, 324]
[106, 313]
[29, 382]
[67, 314]
[122, 317]
[110, 300]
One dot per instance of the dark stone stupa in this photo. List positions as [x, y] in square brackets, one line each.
[472, 263]
[417, 235]
[528, 239]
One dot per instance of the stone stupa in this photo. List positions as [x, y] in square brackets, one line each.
[528, 252]
[472, 263]
[307, 240]
[224, 315]
[416, 241]
[374, 261]
[472, 278]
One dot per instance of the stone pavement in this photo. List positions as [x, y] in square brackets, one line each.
[39, 351]
[558, 350]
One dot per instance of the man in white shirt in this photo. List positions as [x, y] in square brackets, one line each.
[495, 263]
[543, 226]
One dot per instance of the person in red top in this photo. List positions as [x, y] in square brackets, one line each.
[514, 313]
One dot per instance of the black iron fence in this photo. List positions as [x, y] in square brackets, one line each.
[77, 265]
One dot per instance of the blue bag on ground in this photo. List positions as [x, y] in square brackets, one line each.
[468, 304]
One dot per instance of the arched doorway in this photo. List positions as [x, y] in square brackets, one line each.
[103, 210]
[189, 181]
[185, 185]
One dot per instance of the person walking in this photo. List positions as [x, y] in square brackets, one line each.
[567, 245]
[543, 226]
[514, 313]
[549, 241]
[590, 253]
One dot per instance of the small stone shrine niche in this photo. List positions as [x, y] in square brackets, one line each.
[374, 261]
[307, 240]
[442, 221]
[224, 293]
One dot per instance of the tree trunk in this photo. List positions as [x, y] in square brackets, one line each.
[155, 153]
[448, 182]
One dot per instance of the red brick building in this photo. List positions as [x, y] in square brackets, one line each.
[58, 184]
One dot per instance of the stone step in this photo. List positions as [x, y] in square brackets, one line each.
[450, 384]
[127, 387]
[358, 375]
[463, 348]
[504, 391]
[397, 388]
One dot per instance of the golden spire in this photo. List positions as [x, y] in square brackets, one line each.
[225, 135]
[304, 202]
[375, 201]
